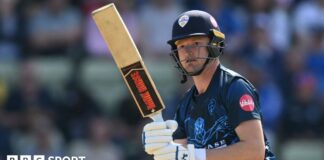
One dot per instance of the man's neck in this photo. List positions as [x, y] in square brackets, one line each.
[203, 80]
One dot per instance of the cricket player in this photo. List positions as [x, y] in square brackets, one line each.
[219, 118]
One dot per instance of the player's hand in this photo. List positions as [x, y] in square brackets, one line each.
[157, 135]
[175, 151]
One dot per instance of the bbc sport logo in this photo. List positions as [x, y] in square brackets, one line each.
[42, 157]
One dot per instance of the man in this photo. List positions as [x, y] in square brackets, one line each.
[220, 115]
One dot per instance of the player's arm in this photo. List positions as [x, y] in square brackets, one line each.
[179, 135]
[251, 144]
[244, 115]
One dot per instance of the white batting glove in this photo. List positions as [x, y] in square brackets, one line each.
[157, 135]
[177, 152]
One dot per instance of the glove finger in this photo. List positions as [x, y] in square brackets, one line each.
[151, 148]
[166, 150]
[155, 126]
[165, 132]
[172, 124]
[158, 139]
[170, 156]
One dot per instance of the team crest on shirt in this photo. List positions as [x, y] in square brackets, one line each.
[247, 103]
[183, 20]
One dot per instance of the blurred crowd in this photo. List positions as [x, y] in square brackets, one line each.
[277, 44]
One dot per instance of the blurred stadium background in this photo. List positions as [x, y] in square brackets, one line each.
[61, 93]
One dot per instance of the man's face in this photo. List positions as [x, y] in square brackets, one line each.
[192, 52]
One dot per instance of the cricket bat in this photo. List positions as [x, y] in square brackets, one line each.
[129, 61]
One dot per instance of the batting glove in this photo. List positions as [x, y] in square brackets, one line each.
[157, 135]
[175, 151]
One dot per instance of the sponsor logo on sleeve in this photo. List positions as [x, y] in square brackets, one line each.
[247, 103]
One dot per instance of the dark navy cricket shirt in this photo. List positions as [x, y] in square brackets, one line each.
[208, 120]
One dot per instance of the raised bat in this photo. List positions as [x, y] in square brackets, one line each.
[129, 61]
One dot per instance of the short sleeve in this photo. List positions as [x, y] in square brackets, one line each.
[241, 103]
[180, 133]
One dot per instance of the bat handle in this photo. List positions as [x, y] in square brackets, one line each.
[157, 117]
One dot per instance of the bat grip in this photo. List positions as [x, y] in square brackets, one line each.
[157, 117]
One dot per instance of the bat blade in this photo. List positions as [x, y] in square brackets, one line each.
[129, 61]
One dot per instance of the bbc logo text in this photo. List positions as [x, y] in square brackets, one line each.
[42, 157]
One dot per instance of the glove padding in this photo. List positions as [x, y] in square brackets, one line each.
[157, 135]
[175, 151]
